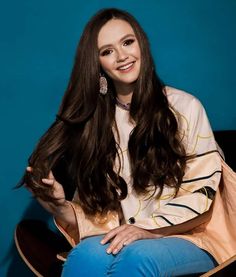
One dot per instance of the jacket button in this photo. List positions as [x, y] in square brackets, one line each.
[131, 220]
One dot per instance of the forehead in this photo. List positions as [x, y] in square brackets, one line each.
[113, 31]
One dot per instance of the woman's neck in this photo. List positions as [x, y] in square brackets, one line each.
[124, 93]
[124, 99]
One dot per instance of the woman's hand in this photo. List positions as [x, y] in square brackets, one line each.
[60, 208]
[124, 235]
[58, 194]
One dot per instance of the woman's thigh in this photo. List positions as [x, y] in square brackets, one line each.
[149, 258]
[161, 257]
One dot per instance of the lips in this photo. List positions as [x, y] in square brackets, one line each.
[126, 67]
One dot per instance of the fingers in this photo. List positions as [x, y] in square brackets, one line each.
[50, 176]
[122, 235]
[29, 168]
[55, 193]
[115, 247]
[120, 241]
[48, 181]
[112, 234]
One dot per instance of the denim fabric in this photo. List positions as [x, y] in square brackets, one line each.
[149, 258]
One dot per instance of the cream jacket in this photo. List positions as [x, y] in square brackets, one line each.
[208, 182]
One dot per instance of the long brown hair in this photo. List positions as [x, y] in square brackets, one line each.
[82, 136]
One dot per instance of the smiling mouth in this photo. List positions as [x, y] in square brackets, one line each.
[126, 68]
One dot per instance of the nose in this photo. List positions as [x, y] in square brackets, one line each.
[121, 55]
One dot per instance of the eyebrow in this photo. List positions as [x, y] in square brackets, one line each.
[123, 38]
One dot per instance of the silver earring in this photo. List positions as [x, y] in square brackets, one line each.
[103, 85]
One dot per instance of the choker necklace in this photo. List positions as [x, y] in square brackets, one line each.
[122, 105]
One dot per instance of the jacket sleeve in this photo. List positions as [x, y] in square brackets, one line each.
[202, 174]
[88, 225]
[72, 237]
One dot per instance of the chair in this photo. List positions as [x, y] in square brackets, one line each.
[39, 246]
[227, 141]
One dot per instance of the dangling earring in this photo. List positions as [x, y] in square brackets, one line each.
[103, 85]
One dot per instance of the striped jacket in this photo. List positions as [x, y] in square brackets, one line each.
[208, 183]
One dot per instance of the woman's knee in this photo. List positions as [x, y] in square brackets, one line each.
[160, 257]
[89, 247]
[88, 258]
[135, 259]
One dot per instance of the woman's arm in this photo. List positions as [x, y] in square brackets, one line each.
[60, 208]
[183, 227]
[66, 222]
[126, 234]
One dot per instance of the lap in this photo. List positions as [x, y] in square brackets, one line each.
[164, 257]
[150, 257]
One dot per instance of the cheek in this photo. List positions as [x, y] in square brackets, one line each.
[137, 52]
[106, 64]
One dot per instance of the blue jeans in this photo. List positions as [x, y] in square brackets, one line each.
[149, 257]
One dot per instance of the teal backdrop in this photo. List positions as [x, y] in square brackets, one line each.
[193, 43]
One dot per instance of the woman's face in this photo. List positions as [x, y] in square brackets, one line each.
[119, 52]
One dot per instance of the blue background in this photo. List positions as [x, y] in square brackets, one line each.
[193, 43]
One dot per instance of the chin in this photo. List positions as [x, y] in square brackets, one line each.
[128, 79]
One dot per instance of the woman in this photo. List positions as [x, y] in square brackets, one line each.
[138, 158]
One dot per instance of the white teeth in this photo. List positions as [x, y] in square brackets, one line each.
[125, 66]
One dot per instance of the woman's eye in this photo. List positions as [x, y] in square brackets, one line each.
[128, 42]
[106, 52]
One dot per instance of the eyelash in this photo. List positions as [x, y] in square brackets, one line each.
[106, 52]
[126, 43]
[129, 41]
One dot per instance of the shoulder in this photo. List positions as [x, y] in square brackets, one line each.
[182, 101]
[193, 122]
[187, 108]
